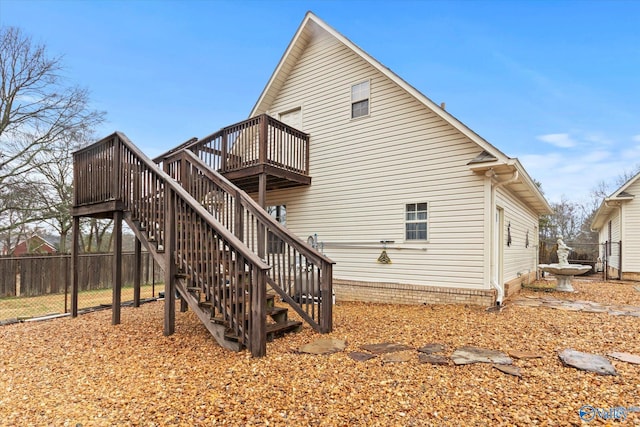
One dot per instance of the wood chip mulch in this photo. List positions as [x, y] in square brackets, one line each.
[85, 372]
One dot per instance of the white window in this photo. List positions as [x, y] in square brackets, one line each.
[274, 244]
[416, 221]
[360, 100]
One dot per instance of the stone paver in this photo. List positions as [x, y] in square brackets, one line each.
[385, 347]
[323, 346]
[509, 369]
[360, 356]
[625, 357]
[433, 359]
[587, 362]
[583, 306]
[432, 348]
[468, 354]
[524, 355]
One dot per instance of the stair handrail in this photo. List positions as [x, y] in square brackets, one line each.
[180, 191]
[255, 208]
[122, 189]
[324, 263]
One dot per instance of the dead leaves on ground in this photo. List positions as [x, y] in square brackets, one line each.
[85, 371]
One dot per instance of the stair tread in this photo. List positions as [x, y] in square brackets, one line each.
[276, 310]
[272, 330]
[286, 326]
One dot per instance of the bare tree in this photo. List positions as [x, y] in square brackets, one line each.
[93, 239]
[55, 189]
[37, 108]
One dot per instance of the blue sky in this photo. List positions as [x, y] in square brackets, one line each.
[554, 83]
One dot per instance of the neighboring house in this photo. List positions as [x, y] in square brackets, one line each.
[392, 171]
[617, 222]
[33, 245]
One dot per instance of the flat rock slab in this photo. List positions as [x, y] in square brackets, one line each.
[509, 370]
[626, 357]
[398, 357]
[433, 359]
[360, 356]
[432, 348]
[385, 347]
[524, 355]
[466, 355]
[323, 346]
[587, 362]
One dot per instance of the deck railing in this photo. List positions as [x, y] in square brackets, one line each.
[260, 140]
[301, 275]
[192, 240]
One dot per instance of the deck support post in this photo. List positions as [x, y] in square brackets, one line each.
[258, 337]
[117, 267]
[75, 248]
[326, 291]
[169, 263]
[137, 272]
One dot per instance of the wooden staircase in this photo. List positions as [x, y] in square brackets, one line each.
[219, 268]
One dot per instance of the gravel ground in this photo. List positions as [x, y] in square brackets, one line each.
[86, 372]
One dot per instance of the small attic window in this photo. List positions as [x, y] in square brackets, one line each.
[360, 100]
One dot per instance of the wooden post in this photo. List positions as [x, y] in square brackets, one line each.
[169, 263]
[117, 267]
[263, 203]
[117, 160]
[137, 271]
[326, 290]
[262, 141]
[223, 149]
[258, 337]
[75, 234]
[238, 223]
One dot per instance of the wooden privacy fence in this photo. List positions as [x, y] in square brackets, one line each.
[29, 275]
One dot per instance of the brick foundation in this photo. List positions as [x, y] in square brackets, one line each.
[630, 275]
[512, 287]
[397, 293]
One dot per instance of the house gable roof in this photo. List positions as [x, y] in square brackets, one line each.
[610, 203]
[489, 158]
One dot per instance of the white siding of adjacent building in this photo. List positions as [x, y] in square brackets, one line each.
[614, 256]
[631, 231]
[365, 170]
[519, 221]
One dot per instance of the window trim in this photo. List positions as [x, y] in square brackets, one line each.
[360, 99]
[279, 213]
[425, 221]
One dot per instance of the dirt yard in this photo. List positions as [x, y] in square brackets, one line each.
[85, 372]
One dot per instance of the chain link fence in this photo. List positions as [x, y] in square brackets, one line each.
[581, 253]
[40, 285]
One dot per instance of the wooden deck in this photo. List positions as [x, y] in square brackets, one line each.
[258, 147]
[207, 234]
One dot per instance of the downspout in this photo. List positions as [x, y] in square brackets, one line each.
[499, 287]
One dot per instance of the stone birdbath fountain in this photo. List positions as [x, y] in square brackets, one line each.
[563, 271]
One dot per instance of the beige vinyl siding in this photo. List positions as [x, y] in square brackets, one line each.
[365, 170]
[518, 259]
[631, 231]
